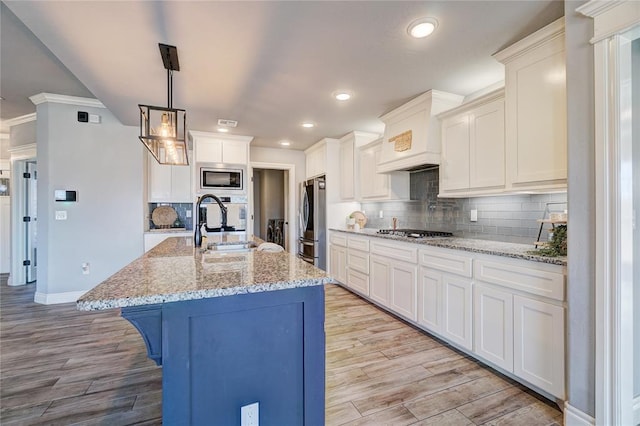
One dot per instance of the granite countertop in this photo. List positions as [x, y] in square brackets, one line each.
[498, 248]
[176, 271]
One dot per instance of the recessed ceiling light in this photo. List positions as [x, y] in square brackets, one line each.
[308, 125]
[342, 95]
[422, 27]
[285, 143]
[223, 129]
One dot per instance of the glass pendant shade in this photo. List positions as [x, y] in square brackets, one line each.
[163, 131]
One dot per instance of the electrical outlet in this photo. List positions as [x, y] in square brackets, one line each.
[86, 268]
[250, 415]
[381, 214]
[474, 215]
[61, 215]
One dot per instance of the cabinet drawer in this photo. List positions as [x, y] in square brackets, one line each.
[358, 243]
[395, 251]
[446, 261]
[338, 239]
[358, 282]
[358, 261]
[521, 276]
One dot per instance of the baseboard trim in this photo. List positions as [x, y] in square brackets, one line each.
[55, 298]
[575, 417]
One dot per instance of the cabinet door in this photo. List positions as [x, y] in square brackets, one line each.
[181, 183]
[457, 312]
[536, 117]
[455, 153]
[403, 289]
[493, 325]
[372, 184]
[337, 263]
[159, 181]
[539, 344]
[234, 152]
[208, 150]
[430, 302]
[487, 150]
[379, 274]
[347, 163]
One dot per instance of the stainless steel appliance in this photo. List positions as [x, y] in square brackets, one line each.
[312, 236]
[222, 179]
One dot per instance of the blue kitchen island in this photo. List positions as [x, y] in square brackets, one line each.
[230, 328]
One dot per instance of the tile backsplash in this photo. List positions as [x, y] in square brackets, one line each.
[511, 218]
[184, 211]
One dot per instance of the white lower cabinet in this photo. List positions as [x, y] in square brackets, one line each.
[539, 344]
[493, 325]
[338, 263]
[403, 297]
[457, 319]
[393, 284]
[430, 304]
[507, 312]
[379, 279]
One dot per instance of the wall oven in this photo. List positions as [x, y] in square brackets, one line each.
[222, 179]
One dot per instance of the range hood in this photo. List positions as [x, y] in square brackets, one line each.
[412, 132]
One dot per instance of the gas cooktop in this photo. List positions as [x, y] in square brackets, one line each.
[415, 233]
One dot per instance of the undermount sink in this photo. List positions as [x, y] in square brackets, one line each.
[230, 247]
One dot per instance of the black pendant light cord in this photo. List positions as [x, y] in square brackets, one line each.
[170, 88]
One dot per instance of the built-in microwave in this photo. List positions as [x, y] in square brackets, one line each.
[222, 179]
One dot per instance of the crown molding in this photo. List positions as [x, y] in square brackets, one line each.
[532, 41]
[41, 98]
[6, 124]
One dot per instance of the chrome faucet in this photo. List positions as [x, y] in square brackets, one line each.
[201, 218]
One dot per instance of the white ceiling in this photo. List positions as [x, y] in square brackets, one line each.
[270, 65]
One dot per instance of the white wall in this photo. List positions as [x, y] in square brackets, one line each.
[22, 134]
[104, 164]
[636, 201]
[280, 156]
[581, 202]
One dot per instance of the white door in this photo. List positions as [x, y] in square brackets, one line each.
[30, 221]
[493, 325]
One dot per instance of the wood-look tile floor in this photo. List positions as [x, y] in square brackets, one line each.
[59, 366]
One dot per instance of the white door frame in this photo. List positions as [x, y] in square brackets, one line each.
[292, 229]
[613, 21]
[19, 157]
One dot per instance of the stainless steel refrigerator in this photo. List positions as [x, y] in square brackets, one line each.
[312, 236]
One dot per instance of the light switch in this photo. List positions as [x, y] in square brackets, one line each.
[474, 215]
[61, 215]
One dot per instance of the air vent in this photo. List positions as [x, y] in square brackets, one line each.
[227, 123]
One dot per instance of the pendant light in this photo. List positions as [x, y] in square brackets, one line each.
[163, 130]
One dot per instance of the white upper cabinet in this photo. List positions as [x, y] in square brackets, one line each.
[169, 183]
[379, 186]
[349, 164]
[219, 148]
[412, 132]
[473, 147]
[536, 110]
[316, 157]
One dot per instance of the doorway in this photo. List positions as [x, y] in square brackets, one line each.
[272, 203]
[269, 189]
[23, 229]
